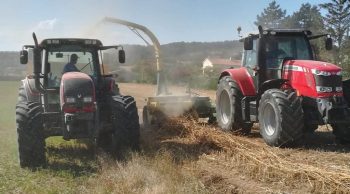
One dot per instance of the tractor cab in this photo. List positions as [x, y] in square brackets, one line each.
[52, 56]
[265, 53]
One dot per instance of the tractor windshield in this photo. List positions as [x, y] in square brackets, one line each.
[63, 61]
[281, 46]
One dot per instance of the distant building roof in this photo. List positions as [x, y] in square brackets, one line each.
[228, 62]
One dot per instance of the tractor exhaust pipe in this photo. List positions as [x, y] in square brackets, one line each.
[37, 63]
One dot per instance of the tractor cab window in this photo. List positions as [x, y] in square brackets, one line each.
[250, 57]
[59, 61]
[280, 47]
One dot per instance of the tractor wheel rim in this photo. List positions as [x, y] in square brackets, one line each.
[270, 122]
[225, 107]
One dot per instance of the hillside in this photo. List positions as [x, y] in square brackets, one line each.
[185, 52]
[185, 56]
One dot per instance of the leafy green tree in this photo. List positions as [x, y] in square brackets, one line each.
[272, 16]
[337, 19]
[307, 17]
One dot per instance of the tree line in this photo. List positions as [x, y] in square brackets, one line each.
[335, 21]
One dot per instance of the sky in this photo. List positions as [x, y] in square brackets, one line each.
[169, 20]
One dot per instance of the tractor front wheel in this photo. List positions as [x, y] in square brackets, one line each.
[31, 141]
[280, 117]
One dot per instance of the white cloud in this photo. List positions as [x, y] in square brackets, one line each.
[46, 25]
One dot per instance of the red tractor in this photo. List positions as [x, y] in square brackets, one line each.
[70, 95]
[282, 87]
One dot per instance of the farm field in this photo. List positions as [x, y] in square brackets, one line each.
[181, 156]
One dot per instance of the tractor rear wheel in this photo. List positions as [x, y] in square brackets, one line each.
[31, 141]
[228, 107]
[125, 123]
[280, 117]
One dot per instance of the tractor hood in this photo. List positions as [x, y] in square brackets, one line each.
[315, 79]
[314, 65]
[77, 92]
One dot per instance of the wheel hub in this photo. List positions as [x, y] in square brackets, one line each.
[225, 108]
[270, 122]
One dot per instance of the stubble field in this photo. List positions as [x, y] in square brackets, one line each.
[181, 156]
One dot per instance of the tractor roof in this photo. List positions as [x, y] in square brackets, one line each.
[278, 31]
[70, 41]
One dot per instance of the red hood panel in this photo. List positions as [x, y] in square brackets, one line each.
[319, 65]
[75, 75]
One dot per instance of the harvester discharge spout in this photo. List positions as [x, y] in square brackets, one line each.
[164, 103]
[161, 81]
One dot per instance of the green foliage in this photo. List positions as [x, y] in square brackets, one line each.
[307, 17]
[145, 71]
[272, 16]
[337, 21]
[204, 82]
[182, 61]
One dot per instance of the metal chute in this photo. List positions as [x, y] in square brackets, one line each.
[161, 81]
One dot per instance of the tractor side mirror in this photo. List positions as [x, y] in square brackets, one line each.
[23, 57]
[121, 54]
[248, 43]
[329, 43]
[36, 60]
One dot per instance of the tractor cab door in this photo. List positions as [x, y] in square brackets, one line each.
[275, 53]
[277, 48]
[250, 61]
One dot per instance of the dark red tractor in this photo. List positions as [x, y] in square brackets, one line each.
[282, 87]
[83, 103]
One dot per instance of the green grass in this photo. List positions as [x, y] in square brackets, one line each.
[66, 170]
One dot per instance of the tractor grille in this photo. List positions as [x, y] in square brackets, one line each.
[328, 81]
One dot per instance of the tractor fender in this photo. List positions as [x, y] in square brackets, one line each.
[31, 92]
[269, 84]
[242, 78]
[110, 86]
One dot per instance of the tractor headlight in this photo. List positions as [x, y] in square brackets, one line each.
[318, 72]
[338, 89]
[322, 89]
[87, 99]
[70, 100]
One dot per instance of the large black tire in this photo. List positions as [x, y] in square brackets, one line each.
[125, 122]
[309, 128]
[31, 141]
[281, 117]
[346, 91]
[228, 107]
[342, 133]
